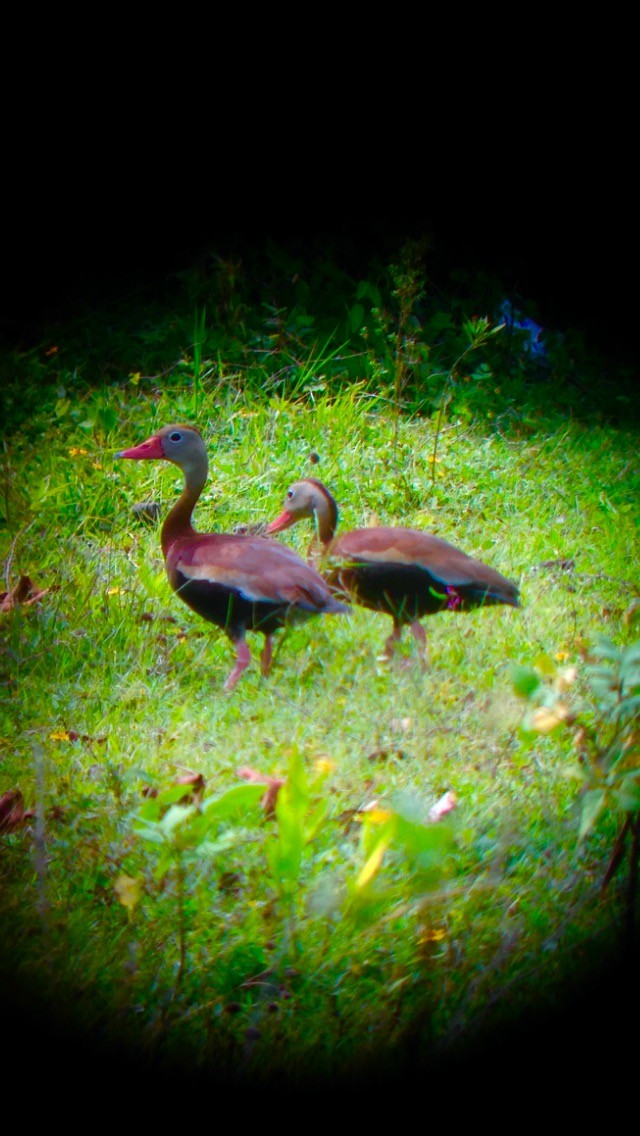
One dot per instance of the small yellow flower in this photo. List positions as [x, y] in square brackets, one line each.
[115, 591]
[562, 656]
[128, 890]
[376, 815]
[77, 451]
[59, 736]
[325, 765]
[433, 935]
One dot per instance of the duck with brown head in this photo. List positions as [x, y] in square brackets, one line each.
[402, 572]
[240, 583]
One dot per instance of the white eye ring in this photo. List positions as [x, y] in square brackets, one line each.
[175, 436]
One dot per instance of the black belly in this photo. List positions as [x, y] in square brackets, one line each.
[234, 613]
[401, 590]
[404, 591]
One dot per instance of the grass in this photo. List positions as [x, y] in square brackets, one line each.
[335, 933]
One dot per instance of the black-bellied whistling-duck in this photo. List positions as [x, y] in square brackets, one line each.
[241, 583]
[400, 571]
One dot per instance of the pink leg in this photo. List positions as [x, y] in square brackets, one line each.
[419, 634]
[265, 657]
[390, 642]
[243, 657]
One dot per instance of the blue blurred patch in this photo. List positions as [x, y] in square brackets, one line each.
[533, 339]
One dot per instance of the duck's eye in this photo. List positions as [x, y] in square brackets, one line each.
[289, 494]
[175, 436]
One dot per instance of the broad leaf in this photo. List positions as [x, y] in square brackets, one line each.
[627, 792]
[232, 803]
[525, 680]
[605, 649]
[593, 803]
[374, 861]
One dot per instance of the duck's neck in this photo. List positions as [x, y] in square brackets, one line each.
[325, 521]
[178, 521]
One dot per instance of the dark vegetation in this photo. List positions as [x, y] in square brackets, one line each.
[261, 307]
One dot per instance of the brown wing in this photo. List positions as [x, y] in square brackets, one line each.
[387, 544]
[257, 567]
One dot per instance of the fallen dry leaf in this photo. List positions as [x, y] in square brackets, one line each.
[12, 810]
[274, 784]
[545, 718]
[385, 754]
[74, 736]
[443, 806]
[24, 593]
[269, 799]
[194, 779]
[348, 817]
[196, 784]
[249, 774]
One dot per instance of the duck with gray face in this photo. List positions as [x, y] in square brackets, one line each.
[402, 572]
[238, 582]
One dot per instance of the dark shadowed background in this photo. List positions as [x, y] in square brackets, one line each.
[564, 238]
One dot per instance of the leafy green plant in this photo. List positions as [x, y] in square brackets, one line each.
[299, 817]
[401, 833]
[605, 723]
[187, 832]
